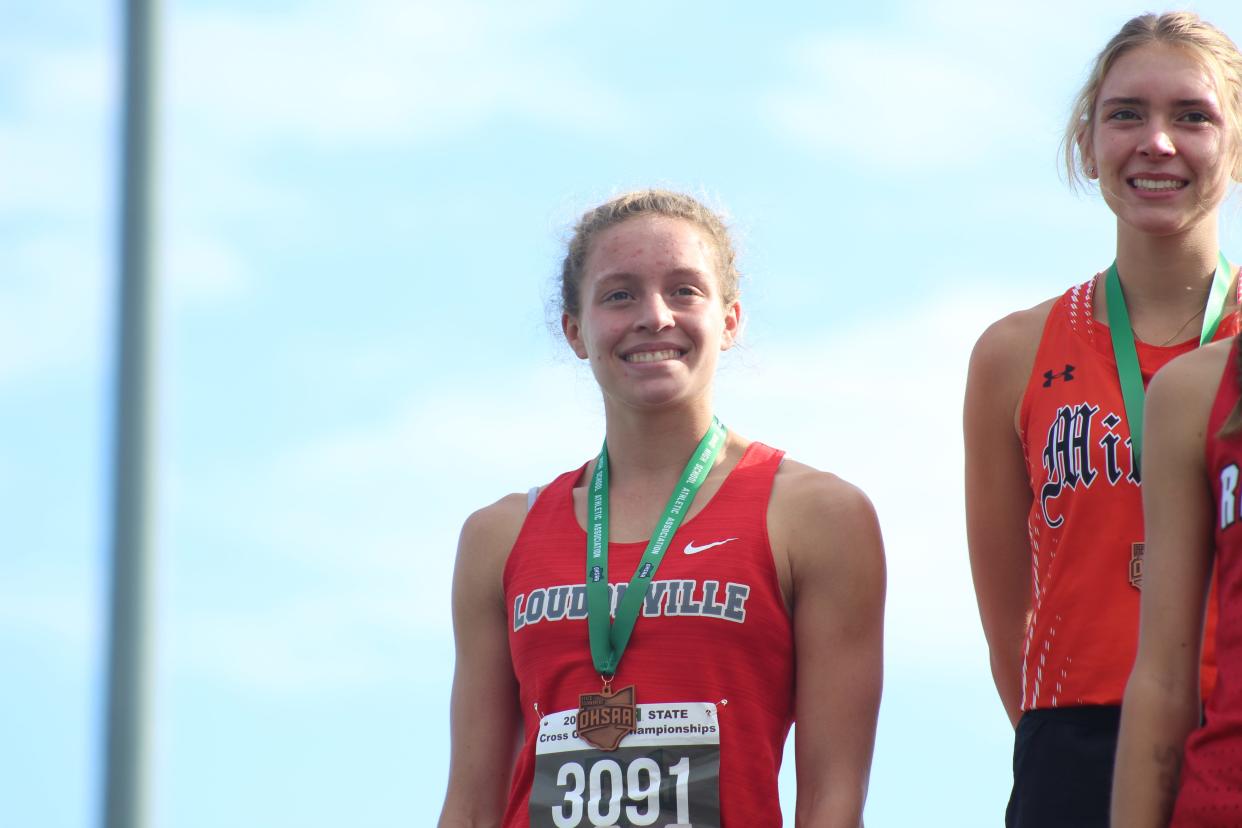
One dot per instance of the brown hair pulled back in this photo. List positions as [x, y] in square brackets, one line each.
[643, 203]
[1182, 29]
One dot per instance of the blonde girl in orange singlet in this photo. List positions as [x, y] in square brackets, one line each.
[1053, 468]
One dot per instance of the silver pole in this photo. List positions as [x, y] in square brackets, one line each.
[125, 797]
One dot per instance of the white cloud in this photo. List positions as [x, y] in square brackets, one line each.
[200, 267]
[376, 71]
[51, 303]
[55, 610]
[897, 104]
[51, 205]
[308, 644]
[52, 147]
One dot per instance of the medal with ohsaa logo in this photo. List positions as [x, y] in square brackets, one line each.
[1136, 564]
[605, 718]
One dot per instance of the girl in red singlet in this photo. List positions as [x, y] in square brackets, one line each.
[628, 653]
[1191, 507]
[1053, 414]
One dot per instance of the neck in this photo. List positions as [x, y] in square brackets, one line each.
[644, 447]
[1166, 274]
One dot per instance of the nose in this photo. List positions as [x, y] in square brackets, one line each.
[1157, 142]
[655, 314]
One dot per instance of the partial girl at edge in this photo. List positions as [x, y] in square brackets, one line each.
[767, 604]
[1191, 509]
[1054, 401]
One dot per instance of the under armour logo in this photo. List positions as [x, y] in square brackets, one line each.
[1067, 375]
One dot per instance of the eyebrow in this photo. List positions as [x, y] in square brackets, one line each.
[1204, 102]
[623, 275]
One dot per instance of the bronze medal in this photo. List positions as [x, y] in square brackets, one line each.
[605, 718]
[1136, 564]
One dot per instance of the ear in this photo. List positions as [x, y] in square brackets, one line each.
[1087, 153]
[572, 329]
[732, 324]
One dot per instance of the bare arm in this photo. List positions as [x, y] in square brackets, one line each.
[1161, 703]
[998, 494]
[836, 558]
[485, 719]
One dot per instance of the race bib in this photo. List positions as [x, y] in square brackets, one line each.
[665, 774]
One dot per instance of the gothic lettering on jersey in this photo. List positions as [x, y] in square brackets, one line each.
[1067, 457]
[1228, 496]
[1112, 461]
[688, 597]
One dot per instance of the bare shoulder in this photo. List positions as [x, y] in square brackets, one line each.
[802, 492]
[497, 521]
[1000, 367]
[1196, 372]
[486, 539]
[818, 520]
[1009, 344]
[1181, 393]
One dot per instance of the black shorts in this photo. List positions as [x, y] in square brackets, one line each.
[1063, 767]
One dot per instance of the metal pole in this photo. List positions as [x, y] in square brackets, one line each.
[125, 797]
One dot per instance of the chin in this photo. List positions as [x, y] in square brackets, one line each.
[1163, 226]
[657, 399]
[656, 402]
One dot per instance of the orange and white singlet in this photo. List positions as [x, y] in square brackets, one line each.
[1086, 518]
[711, 658]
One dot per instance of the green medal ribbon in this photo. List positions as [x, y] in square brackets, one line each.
[1128, 371]
[608, 640]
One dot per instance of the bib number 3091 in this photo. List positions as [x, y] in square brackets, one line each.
[665, 774]
[607, 789]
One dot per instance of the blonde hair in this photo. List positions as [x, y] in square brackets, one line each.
[639, 203]
[1185, 30]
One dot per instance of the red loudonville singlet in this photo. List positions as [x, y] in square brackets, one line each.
[682, 653]
[1211, 789]
[1087, 513]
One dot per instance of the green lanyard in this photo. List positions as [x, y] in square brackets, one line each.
[1128, 371]
[608, 641]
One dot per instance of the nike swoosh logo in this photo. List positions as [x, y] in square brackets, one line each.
[691, 549]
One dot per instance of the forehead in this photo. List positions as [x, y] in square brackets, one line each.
[1158, 72]
[649, 244]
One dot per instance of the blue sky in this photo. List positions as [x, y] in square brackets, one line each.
[362, 207]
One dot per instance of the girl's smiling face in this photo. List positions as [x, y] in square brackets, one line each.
[653, 320]
[1161, 145]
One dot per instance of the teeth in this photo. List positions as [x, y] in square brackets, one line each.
[652, 356]
[1157, 184]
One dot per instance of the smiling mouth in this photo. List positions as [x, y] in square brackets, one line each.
[653, 356]
[1155, 185]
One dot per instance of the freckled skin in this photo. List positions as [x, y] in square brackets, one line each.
[650, 283]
